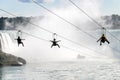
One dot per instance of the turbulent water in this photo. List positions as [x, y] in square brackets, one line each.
[80, 70]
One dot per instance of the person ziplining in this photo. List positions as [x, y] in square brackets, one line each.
[19, 40]
[103, 39]
[54, 41]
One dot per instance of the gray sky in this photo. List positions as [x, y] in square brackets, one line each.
[24, 7]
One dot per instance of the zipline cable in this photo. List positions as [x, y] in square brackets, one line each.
[64, 19]
[60, 45]
[28, 22]
[93, 20]
[35, 36]
[57, 34]
[105, 30]
[49, 41]
[83, 52]
[86, 14]
[72, 23]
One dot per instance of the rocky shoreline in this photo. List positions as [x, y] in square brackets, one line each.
[11, 60]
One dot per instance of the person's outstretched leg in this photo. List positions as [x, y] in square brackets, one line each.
[18, 44]
[51, 45]
[58, 45]
[22, 44]
[107, 41]
[100, 43]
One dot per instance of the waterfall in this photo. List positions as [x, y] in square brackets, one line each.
[6, 43]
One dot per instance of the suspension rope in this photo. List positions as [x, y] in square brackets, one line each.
[93, 20]
[83, 52]
[35, 36]
[57, 34]
[97, 24]
[49, 41]
[64, 19]
[72, 23]
[28, 22]
[60, 45]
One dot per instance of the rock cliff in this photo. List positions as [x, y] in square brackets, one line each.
[10, 60]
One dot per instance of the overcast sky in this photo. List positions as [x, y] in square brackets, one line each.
[28, 8]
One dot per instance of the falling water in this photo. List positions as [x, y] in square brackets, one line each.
[6, 41]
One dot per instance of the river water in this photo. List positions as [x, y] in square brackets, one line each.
[64, 70]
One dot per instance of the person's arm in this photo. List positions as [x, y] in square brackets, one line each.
[98, 39]
[51, 41]
[22, 39]
[58, 41]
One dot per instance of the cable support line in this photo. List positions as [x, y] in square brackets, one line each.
[28, 22]
[35, 36]
[113, 36]
[40, 27]
[82, 52]
[61, 45]
[49, 31]
[84, 46]
[64, 19]
[70, 22]
[86, 14]
[108, 31]
[32, 35]
[8, 12]
[93, 20]
[49, 41]
[65, 39]
[65, 46]
[114, 49]
[78, 43]
[57, 34]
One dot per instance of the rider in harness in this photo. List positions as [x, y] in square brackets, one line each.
[54, 42]
[19, 41]
[103, 39]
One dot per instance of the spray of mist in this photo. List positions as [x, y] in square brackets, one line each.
[38, 50]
